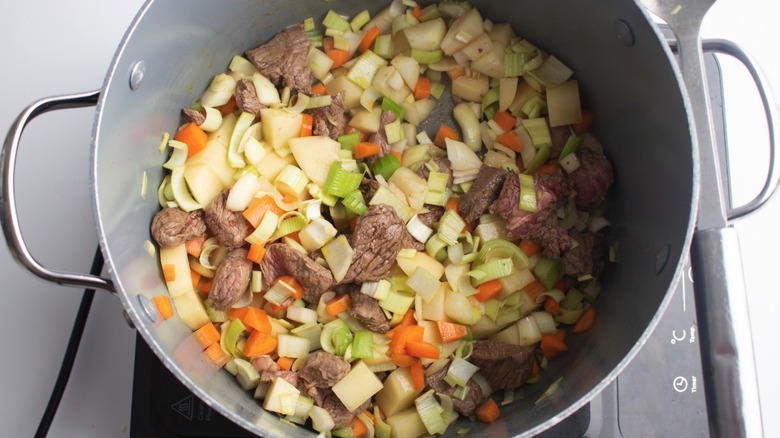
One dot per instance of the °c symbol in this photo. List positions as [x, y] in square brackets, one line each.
[676, 338]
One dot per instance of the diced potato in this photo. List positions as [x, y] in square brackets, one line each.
[366, 121]
[412, 185]
[225, 130]
[359, 385]
[272, 164]
[492, 64]
[204, 185]
[427, 35]
[352, 91]
[281, 397]
[314, 155]
[478, 47]
[279, 126]
[406, 423]
[191, 309]
[176, 262]
[423, 261]
[434, 309]
[214, 155]
[398, 392]
[382, 83]
[471, 89]
[459, 308]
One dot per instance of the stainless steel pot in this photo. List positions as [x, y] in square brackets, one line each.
[627, 74]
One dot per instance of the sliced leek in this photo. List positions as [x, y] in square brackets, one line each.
[178, 156]
[527, 193]
[180, 191]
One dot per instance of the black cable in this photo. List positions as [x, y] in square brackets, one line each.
[70, 352]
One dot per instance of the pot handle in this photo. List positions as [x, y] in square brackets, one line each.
[770, 109]
[8, 213]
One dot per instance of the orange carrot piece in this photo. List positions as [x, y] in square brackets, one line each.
[529, 247]
[505, 120]
[511, 140]
[327, 44]
[403, 360]
[443, 133]
[552, 306]
[365, 150]
[534, 289]
[169, 272]
[163, 304]
[195, 278]
[552, 346]
[418, 376]
[256, 253]
[408, 318]
[217, 355]
[206, 335]
[293, 283]
[368, 39]
[488, 290]
[452, 204]
[195, 246]
[403, 334]
[285, 363]
[450, 331]
[583, 126]
[548, 168]
[359, 428]
[488, 412]
[256, 210]
[423, 350]
[456, 73]
[337, 305]
[338, 56]
[237, 313]
[585, 322]
[257, 319]
[229, 107]
[536, 370]
[319, 88]
[307, 126]
[259, 343]
[194, 137]
[423, 88]
[205, 287]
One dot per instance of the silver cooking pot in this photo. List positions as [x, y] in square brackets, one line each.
[627, 75]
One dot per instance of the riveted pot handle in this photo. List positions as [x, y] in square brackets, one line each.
[8, 213]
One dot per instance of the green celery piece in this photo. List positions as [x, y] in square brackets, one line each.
[386, 166]
[391, 105]
[541, 157]
[548, 271]
[363, 345]
[342, 338]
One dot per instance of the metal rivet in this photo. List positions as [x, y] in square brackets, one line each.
[137, 74]
[661, 258]
[624, 33]
[147, 307]
[127, 319]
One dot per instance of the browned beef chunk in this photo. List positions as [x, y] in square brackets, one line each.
[330, 121]
[376, 241]
[328, 400]
[284, 59]
[246, 97]
[366, 310]
[323, 370]
[229, 227]
[482, 193]
[281, 259]
[193, 116]
[444, 166]
[468, 405]
[592, 179]
[230, 280]
[503, 365]
[432, 216]
[409, 242]
[543, 226]
[587, 257]
[380, 137]
[269, 370]
[558, 135]
[368, 188]
[174, 226]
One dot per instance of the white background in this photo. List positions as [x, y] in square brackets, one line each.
[52, 47]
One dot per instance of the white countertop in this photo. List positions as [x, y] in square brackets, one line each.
[53, 47]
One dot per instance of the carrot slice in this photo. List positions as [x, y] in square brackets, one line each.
[229, 107]
[552, 346]
[163, 304]
[423, 88]
[529, 247]
[443, 133]
[511, 140]
[259, 343]
[452, 204]
[359, 428]
[337, 305]
[505, 120]
[257, 319]
[293, 283]
[585, 322]
[194, 137]
[338, 56]
[548, 168]
[195, 246]
[195, 278]
[256, 253]
[552, 306]
[217, 354]
[365, 150]
[255, 212]
[285, 363]
[408, 318]
[488, 290]
[169, 272]
[456, 73]
[307, 126]
[488, 412]
[450, 331]
[583, 126]
[368, 39]
[423, 350]
[403, 360]
[534, 289]
[319, 88]
[418, 376]
[206, 335]
[403, 334]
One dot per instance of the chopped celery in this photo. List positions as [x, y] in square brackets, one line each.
[495, 269]
[437, 181]
[394, 131]
[437, 89]
[513, 64]
[390, 105]
[428, 409]
[365, 68]
[386, 165]
[376, 289]
[340, 182]
[354, 202]
[383, 46]
[538, 130]
[363, 345]
[573, 299]
[308, 24]
[397, 301]
[333, 20]
[359, 20]
[341, 338]
[450, 227]
[418, 229]
[572, 144]
[490, 98]
[548, 271]
[426, 56]
[230, 337]
[552, 72]
[541, 157]
[348, 141]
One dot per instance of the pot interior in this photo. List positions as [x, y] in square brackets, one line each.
[640, 119]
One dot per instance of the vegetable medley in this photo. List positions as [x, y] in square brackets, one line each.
[357, 275]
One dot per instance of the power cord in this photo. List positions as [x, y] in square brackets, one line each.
[70, 352]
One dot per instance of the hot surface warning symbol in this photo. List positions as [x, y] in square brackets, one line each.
[185, 407]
